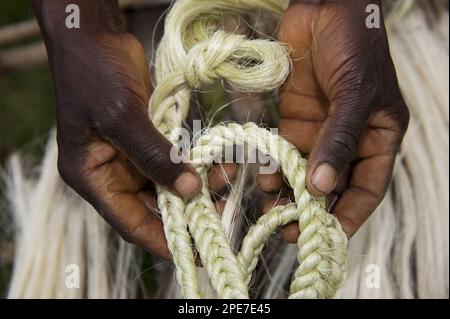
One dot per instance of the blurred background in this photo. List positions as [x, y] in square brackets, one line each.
[26, 98]
[26, 109]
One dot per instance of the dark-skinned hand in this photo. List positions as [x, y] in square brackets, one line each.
[109, 150]
[341, 107]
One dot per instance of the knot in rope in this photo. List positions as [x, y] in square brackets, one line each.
[206, 60]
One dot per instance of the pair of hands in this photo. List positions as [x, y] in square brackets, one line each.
[341, 107]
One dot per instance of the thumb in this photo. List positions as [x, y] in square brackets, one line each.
[337, 142]
[150, 152]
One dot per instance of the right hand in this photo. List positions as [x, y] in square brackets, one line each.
[109, 150]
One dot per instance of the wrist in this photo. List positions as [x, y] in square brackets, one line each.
[94, 17]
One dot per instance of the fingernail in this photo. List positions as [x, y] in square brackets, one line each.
[187, 185]
[324, 178]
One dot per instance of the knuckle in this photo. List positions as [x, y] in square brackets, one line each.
[133, 234]
[400, 115]
[111, 118]
[349, 225]
[344, 140]
[340, 145]
[356, 81]
[70, 168]
[74, 178]
[119, 112]
[403, 117]
[158, 164]
[363, 84]
[64, 171]
[127, 237]
[68, 172]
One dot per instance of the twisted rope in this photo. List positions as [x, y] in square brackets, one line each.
[196, 51]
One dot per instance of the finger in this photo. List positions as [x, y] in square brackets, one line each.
[339, 137]
[383, 134]
[130, 130]
[135, 218]
[365, 191]
[343, 179]
[289, 232]
[302, 97]
[300, 133]
[221, 175]
[270, 183]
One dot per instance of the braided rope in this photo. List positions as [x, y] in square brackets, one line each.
[196, 51]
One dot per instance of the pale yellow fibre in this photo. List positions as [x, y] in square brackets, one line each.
[196, 51]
